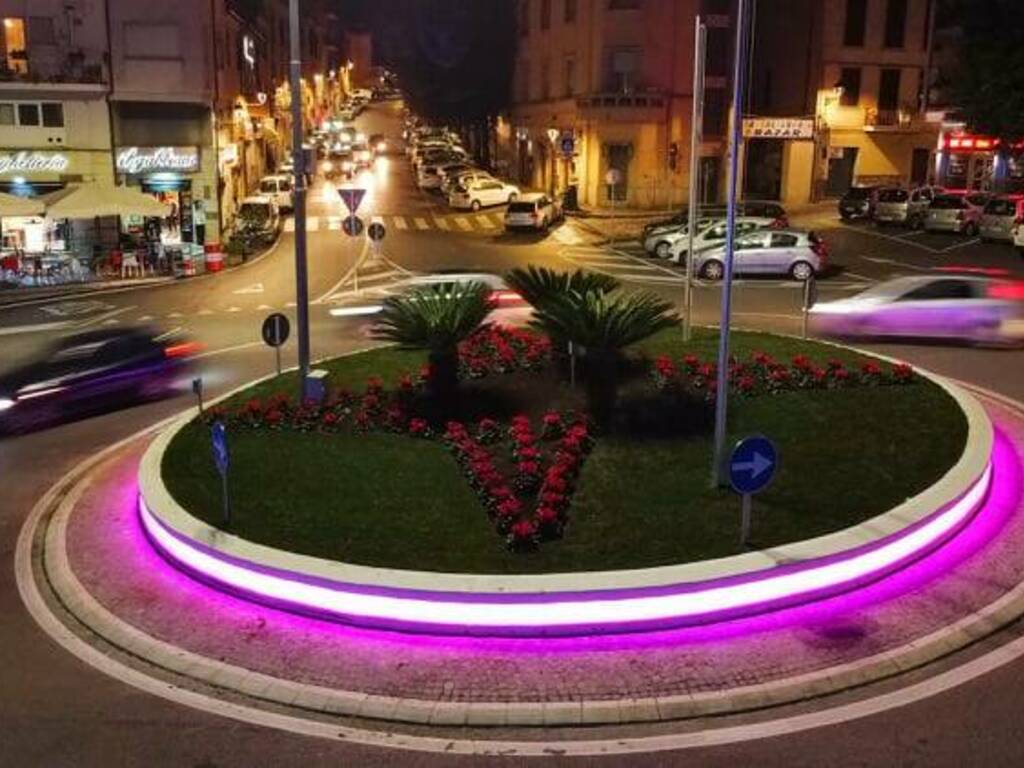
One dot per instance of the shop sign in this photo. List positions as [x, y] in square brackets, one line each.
[778, 128]
[33, 162]
[136, 160]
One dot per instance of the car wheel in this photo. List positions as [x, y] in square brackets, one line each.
[513, 197]
[712, 270]
[971, 230]
[475, 205]
[801, 271]
[663, 250]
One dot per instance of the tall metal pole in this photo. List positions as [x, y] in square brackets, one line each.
[696, 139]
[299, 162]
[722, 389]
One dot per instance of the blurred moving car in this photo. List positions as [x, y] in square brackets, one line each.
[533, 211]
[958, 212]
[973, 308]
[858, 202]
[908, 207]
[481, 193]
[800, 255]
[999, 217]
[710, 233]
[762, 209]
[91, 372]
[278, 188]
[1018, 236]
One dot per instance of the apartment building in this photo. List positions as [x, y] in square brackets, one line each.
[603, 94]
[836, 97]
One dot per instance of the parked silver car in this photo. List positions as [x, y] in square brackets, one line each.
[533, 211]
[709, 234]
[958, 212]
[797, 253]
[1000, 216]
[904, 206]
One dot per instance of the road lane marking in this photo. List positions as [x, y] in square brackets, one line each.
[144, 319]
[264, 307]
[421, 223]
[399, 222]
[14, 330]
[205, 312]
[345, 277]
[973, 241]
[463, 223]
[442, 223]
[334, 222]
[880, 260]
[233, 309]
[289, 225]
[254, 288]
[313, 224]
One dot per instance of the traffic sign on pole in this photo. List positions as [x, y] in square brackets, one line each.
[352, 226]
[752, 466]
[275, 332]
[352, 197]
[376, 231]
[219, 444]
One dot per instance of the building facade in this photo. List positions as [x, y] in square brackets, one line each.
[602, 99]
[849, 109]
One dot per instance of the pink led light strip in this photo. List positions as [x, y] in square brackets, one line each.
[446, 610]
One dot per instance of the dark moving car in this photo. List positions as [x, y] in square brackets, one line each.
[92, 372]
[858, 202]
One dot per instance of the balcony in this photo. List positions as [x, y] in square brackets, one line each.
[890, 120]
[50, 70]
[624, 107]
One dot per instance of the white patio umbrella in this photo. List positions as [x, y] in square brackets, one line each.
[84, 201]
[12, 205]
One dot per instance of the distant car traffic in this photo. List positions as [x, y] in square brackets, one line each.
[978, 309]
[482, 193]
[92, 372]
[279, 188]
[858, 202]
[533, 211]
[791, 252]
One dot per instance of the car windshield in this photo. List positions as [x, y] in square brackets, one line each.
[858, 193]
[254, 213]
[893, 196]
[269, 186]
[521, 207]
[948, 203]
[1002, 207]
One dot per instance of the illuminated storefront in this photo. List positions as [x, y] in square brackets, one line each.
[166, 172]
[970, 161]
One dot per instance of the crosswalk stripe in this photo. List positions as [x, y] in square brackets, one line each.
[442, 223]
[145, 319]
[399, 222]
[334, 222]
[233, 309]
[463, 223]
[313, 224]
[421, 223]
[205, 312]
[289, 225]
[485, 222]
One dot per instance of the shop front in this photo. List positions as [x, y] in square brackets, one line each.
[970, 161]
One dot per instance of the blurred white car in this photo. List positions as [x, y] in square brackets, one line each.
[946, 306]
[533, 211]
[482, 193]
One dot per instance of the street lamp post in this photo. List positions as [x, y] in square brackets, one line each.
[553, 138]
[696, 138]
[299, 186]
[722, 382]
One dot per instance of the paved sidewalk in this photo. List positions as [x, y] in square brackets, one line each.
[931, 608]
[12, 297]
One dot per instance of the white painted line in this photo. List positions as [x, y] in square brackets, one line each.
[254, 288]
[14, 330]
[973, 241]
[399, 222]
[313, 224]
[344, 278]
[891, 238]
[145, 319]
[441, 223]
[289, 225]
[174, 314]
[650, 278]
[264, 307]
[290, 304]
[485, 222]
[421, 223]
[205, 312]
[233, 309]
[880, 260]
[858, 276]
[463, 223]
[334, 222]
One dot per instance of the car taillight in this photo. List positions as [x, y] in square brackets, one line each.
[1012, 290]
[184, 349]
[505, 296]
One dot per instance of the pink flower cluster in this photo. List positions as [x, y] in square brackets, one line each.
[763, 374]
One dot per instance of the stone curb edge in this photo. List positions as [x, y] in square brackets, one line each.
[54, 510]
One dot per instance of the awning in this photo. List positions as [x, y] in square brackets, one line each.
[12, 205]
[84, 201]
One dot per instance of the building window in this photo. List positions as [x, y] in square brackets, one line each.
[623, 5]
[895, 23]
[849, 81]
[545, 79]
[524, 17]
[719, 52]
[623, 68]
[714, 112]
[15, 49]
[889, 90]
[570, 11]
[40, 31]
[6, 114]
[856, 22]
[28, 114]
[53, 114]
[545, 14]
[569, 76]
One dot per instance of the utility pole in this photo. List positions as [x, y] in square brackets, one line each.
[696, 139]
[299, 185]
[722, 388]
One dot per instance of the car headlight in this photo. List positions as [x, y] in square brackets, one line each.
[5, 403]
[381, 146]
[327, 166]
[346, 166]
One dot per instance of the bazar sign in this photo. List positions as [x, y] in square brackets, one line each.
[156, 159]
[778, 128]
[29, 162]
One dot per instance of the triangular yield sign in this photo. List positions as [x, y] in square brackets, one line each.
[351, 197]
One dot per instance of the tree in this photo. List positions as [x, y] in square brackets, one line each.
[436, 318]
[987, 85]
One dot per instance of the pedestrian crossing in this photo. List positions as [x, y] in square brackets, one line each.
[478, 223]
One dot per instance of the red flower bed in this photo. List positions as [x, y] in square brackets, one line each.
[496, 349]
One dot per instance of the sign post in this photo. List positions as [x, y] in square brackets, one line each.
[352, 197]
[810, 299]
[752, 466]
[696, 138]
[219, 443]
[376, 232]
[275, 332]
[299, 160]
[197, 390]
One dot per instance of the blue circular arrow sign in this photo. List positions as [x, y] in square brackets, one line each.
[752, 464]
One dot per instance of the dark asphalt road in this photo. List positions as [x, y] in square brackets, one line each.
[55, 711]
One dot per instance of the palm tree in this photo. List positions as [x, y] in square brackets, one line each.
[436, 318]
[588, 310]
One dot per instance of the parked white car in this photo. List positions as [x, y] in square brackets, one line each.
[533, 211]
[463, 178]
[712, 236]
[1018, 236]
[259, 212]
[787, 252]
[279, 188]
[482, 193]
